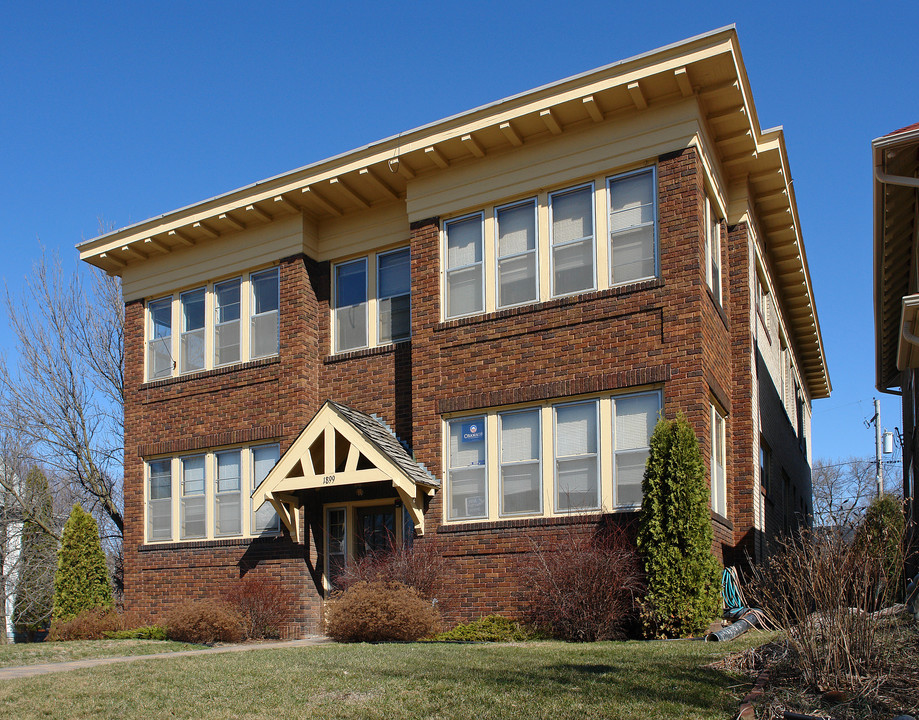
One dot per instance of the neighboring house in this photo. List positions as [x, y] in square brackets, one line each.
[465, 334]
[895, 158]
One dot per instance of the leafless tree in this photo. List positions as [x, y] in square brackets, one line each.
[61, 393]
[842, 490]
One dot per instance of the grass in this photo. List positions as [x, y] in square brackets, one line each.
[626, 680]
[53, 652]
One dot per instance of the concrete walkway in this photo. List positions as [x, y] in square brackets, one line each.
[24, 671]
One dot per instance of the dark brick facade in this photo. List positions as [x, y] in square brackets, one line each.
[669, 333]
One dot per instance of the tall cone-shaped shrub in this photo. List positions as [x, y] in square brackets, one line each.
[82, 581]
[675, 535]
[35, 579]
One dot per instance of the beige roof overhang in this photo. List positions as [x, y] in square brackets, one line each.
[708, 67]
[343, 446]
[895, 164]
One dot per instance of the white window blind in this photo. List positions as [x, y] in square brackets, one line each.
[517, 253]
[228, 495]
[464, 267]
[468, 496]
[193, 330]
[632, 221]
[521, 486]
[576, 460]
[636, 417]
[572, 241]
[226, 322]
[193, 514]
[159, 501]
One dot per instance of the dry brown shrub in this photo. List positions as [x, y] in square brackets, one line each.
[418, 565]
[263, 602]
[205, 621]
[582, 586]
[379, 611]
[88, 625]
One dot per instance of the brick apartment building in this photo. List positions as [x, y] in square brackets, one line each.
[465, 334]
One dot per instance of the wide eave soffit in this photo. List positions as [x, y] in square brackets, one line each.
[708, 68]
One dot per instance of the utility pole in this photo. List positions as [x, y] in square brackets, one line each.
[879, 466]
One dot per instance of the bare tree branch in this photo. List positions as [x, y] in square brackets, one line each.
[842, 491]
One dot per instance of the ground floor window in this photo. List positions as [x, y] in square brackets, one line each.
[718, 462]
[207, 494]
[577, 455]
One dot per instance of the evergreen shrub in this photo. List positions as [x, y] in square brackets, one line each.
[675, 535]
[379, 611]
[37, 559]
[82, 581]
[491, 628]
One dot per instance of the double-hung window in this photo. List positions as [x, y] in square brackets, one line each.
[635, 418]
[159, 495]
[226, 322]
[718, 461]
[466, 471]
[465, 286]
[632, 226]
[193, 339]
[159, 353]
[193, 509]
[351, 305]
[394, 296]
[713, 250]
[516, 234]
[336, 531]
[577, 471]
[521, 485]
[572, 233]
[264, 457]
[228, 493]
[264, 329]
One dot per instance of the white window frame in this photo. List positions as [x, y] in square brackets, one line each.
[445, 292]
[501, 463]
[615, 410]
[183, 536]
[217, 324]
[246, 314]
[217, 495]
[378, 296]
[655, 240]
[718, 459]
[596, 455]
[185, 331]
[593, 239]
[149, 500]
[247, 510]
[448, 500]
[252, 315]
[169, 340]
[713, 257]
[335, 339]
[499, 257]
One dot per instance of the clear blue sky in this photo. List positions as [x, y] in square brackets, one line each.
[125, 111]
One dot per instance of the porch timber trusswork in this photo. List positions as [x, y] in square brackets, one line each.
[342, 446]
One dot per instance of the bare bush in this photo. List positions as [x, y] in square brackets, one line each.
[419, 565]
[205, 621]
[583, 586]
[379, 611]
[88, 625]
[264, 602]
[825, 591]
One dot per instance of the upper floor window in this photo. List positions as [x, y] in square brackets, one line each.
[565, 457]
[159, 343]
[633, 227]
[713, 250]
[465, 273]
[516, 231]
[210, 328]
[375, 309]
[539, 248]
[572, 240]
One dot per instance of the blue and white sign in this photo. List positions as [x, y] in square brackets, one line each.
[473, 431]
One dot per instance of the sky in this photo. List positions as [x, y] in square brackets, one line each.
[114, 113]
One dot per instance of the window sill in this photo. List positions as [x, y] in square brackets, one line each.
[213, 372]
[214, 543]
[364, 352]
[559, 302]
[458, 526]
[722, 520]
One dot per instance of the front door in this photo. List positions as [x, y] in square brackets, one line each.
[376, 530]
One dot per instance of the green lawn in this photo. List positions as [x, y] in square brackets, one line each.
[531, 680]
[52, 652]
